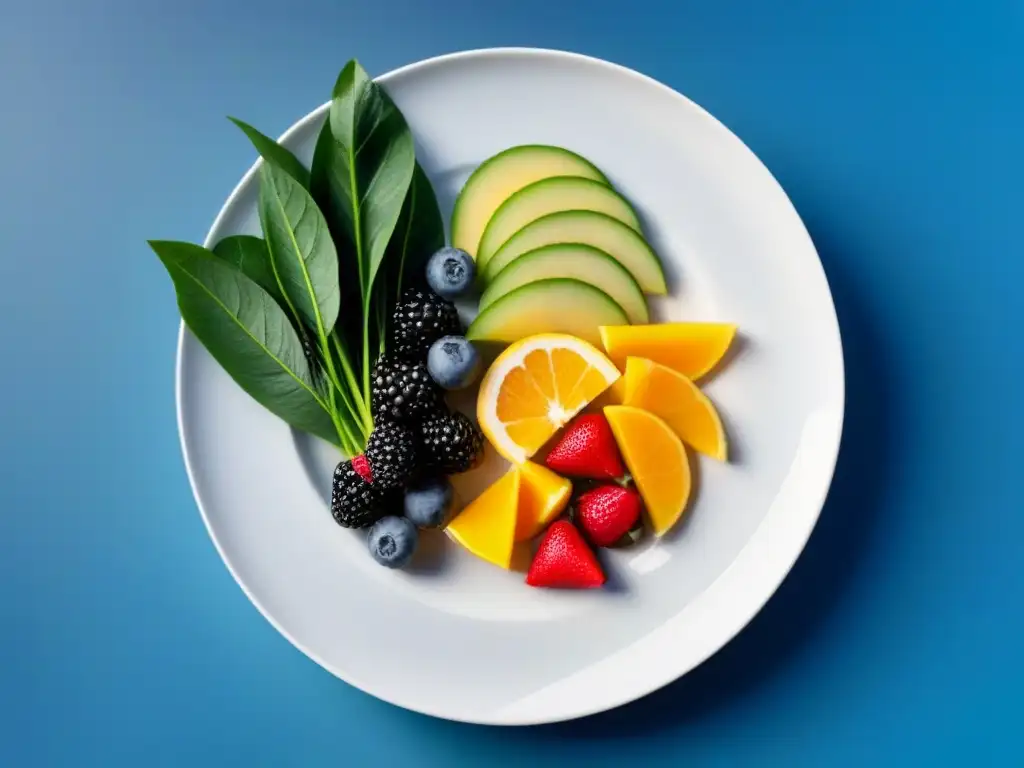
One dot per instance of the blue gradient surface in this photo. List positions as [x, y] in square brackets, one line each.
[896, 129]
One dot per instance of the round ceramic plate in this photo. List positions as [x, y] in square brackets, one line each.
[453, 636]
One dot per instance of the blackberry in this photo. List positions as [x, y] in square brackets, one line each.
[355, 503]
[402, 391]
[391, 452]
[451, 443]
[421, 318]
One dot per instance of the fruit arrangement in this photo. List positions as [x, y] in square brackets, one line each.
[564, 269]
[593, 405]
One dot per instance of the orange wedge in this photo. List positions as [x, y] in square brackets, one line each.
[656, 459]
[692, 349]
[673, 397]
[543, 496]
[487, 526]
[535, 387]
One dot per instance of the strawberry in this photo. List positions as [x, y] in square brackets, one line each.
[564, 560]
[608, 512]
[587, 449]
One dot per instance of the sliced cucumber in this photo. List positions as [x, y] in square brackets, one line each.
[560, 193]
[499, 177]
[548, 306]
[571, 260]
[619, 241]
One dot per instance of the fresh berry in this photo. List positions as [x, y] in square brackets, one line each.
[453, 362]
[391, 453]
[451, 272]
[421, 318]
[428, 502]
[451, 444]
[402, 391]
[564, 560]
[607, 513]
[355, 503]
[392, 541]
[587, 449]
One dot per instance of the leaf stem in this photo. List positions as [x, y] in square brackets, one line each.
[353, 414]
[361, 404]
[366, 351]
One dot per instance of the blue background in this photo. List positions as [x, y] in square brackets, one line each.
[896, 127]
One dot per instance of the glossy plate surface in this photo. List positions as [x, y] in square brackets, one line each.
[453, 636]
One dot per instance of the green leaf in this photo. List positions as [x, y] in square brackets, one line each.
[273, 152]
[349, 325]
[249, 254]
[302, 254]
[363, 177]
[248, 334]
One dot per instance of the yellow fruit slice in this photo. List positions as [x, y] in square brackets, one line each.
[657, 461]
[535, 386]
[693, 349]
[487, 526]
[674, 398]
[542, 497]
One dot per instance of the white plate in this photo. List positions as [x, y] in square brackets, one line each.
[455, 637]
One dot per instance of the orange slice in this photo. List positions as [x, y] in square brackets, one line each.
[673, 397]
[487, 526]
[656, 459]
[535, 387]
[693, 349]
[543, 496]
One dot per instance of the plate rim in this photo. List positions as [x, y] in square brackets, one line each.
[797, 538]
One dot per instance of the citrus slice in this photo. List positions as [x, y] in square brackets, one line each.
[673, 397]
[542, 497]
[656, 459]
[535, 386]
[487, 526]
[693, 349]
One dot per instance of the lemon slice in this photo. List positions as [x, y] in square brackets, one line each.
[535, 387]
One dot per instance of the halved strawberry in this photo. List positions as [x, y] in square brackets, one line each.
[587, 448]
[564, 560]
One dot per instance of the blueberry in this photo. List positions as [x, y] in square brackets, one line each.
[392, 541]
[450, 272]
[427, 503]
[453, 362]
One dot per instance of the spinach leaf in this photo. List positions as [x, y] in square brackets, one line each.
[365, 174]
[336, 212]
[302, 255]
[249, 254]
[275, 153]
[249, 335]
[251, 257]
